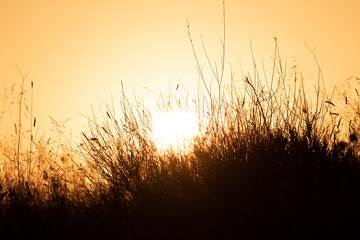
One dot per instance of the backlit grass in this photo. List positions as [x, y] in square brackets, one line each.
[272, 159]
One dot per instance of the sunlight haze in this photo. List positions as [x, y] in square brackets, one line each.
[174, 130]
[78, 52]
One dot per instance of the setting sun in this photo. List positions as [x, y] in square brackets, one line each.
[180, 119]
[174, 129]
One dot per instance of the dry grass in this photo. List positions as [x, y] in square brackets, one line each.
[273, 159]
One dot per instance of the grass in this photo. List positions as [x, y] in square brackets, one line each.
[273, 160]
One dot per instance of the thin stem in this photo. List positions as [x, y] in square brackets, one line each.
[31, 128]
[23, 77]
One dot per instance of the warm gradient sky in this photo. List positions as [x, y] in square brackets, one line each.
[77, 52]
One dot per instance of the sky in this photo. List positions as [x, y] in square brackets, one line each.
[78, 52]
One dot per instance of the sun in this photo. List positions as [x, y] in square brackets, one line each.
[174, 130]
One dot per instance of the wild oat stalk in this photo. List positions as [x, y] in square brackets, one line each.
[31, 131]
[23, 77]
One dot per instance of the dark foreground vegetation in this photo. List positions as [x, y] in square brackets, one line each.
[272, 161]
[261, 186]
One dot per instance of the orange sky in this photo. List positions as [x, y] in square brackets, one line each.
[77, 52]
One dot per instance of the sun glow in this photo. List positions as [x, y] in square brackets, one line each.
[174, 130]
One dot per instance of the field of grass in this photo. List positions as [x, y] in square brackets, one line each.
[274, 159]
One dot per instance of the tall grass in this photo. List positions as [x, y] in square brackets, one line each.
[273, 159]
[271, 155]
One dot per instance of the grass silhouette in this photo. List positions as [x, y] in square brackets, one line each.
[272, 165]
[271, 161]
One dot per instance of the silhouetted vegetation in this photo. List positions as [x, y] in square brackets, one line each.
[272, 160]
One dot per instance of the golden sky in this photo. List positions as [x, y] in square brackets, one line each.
[77, 52]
